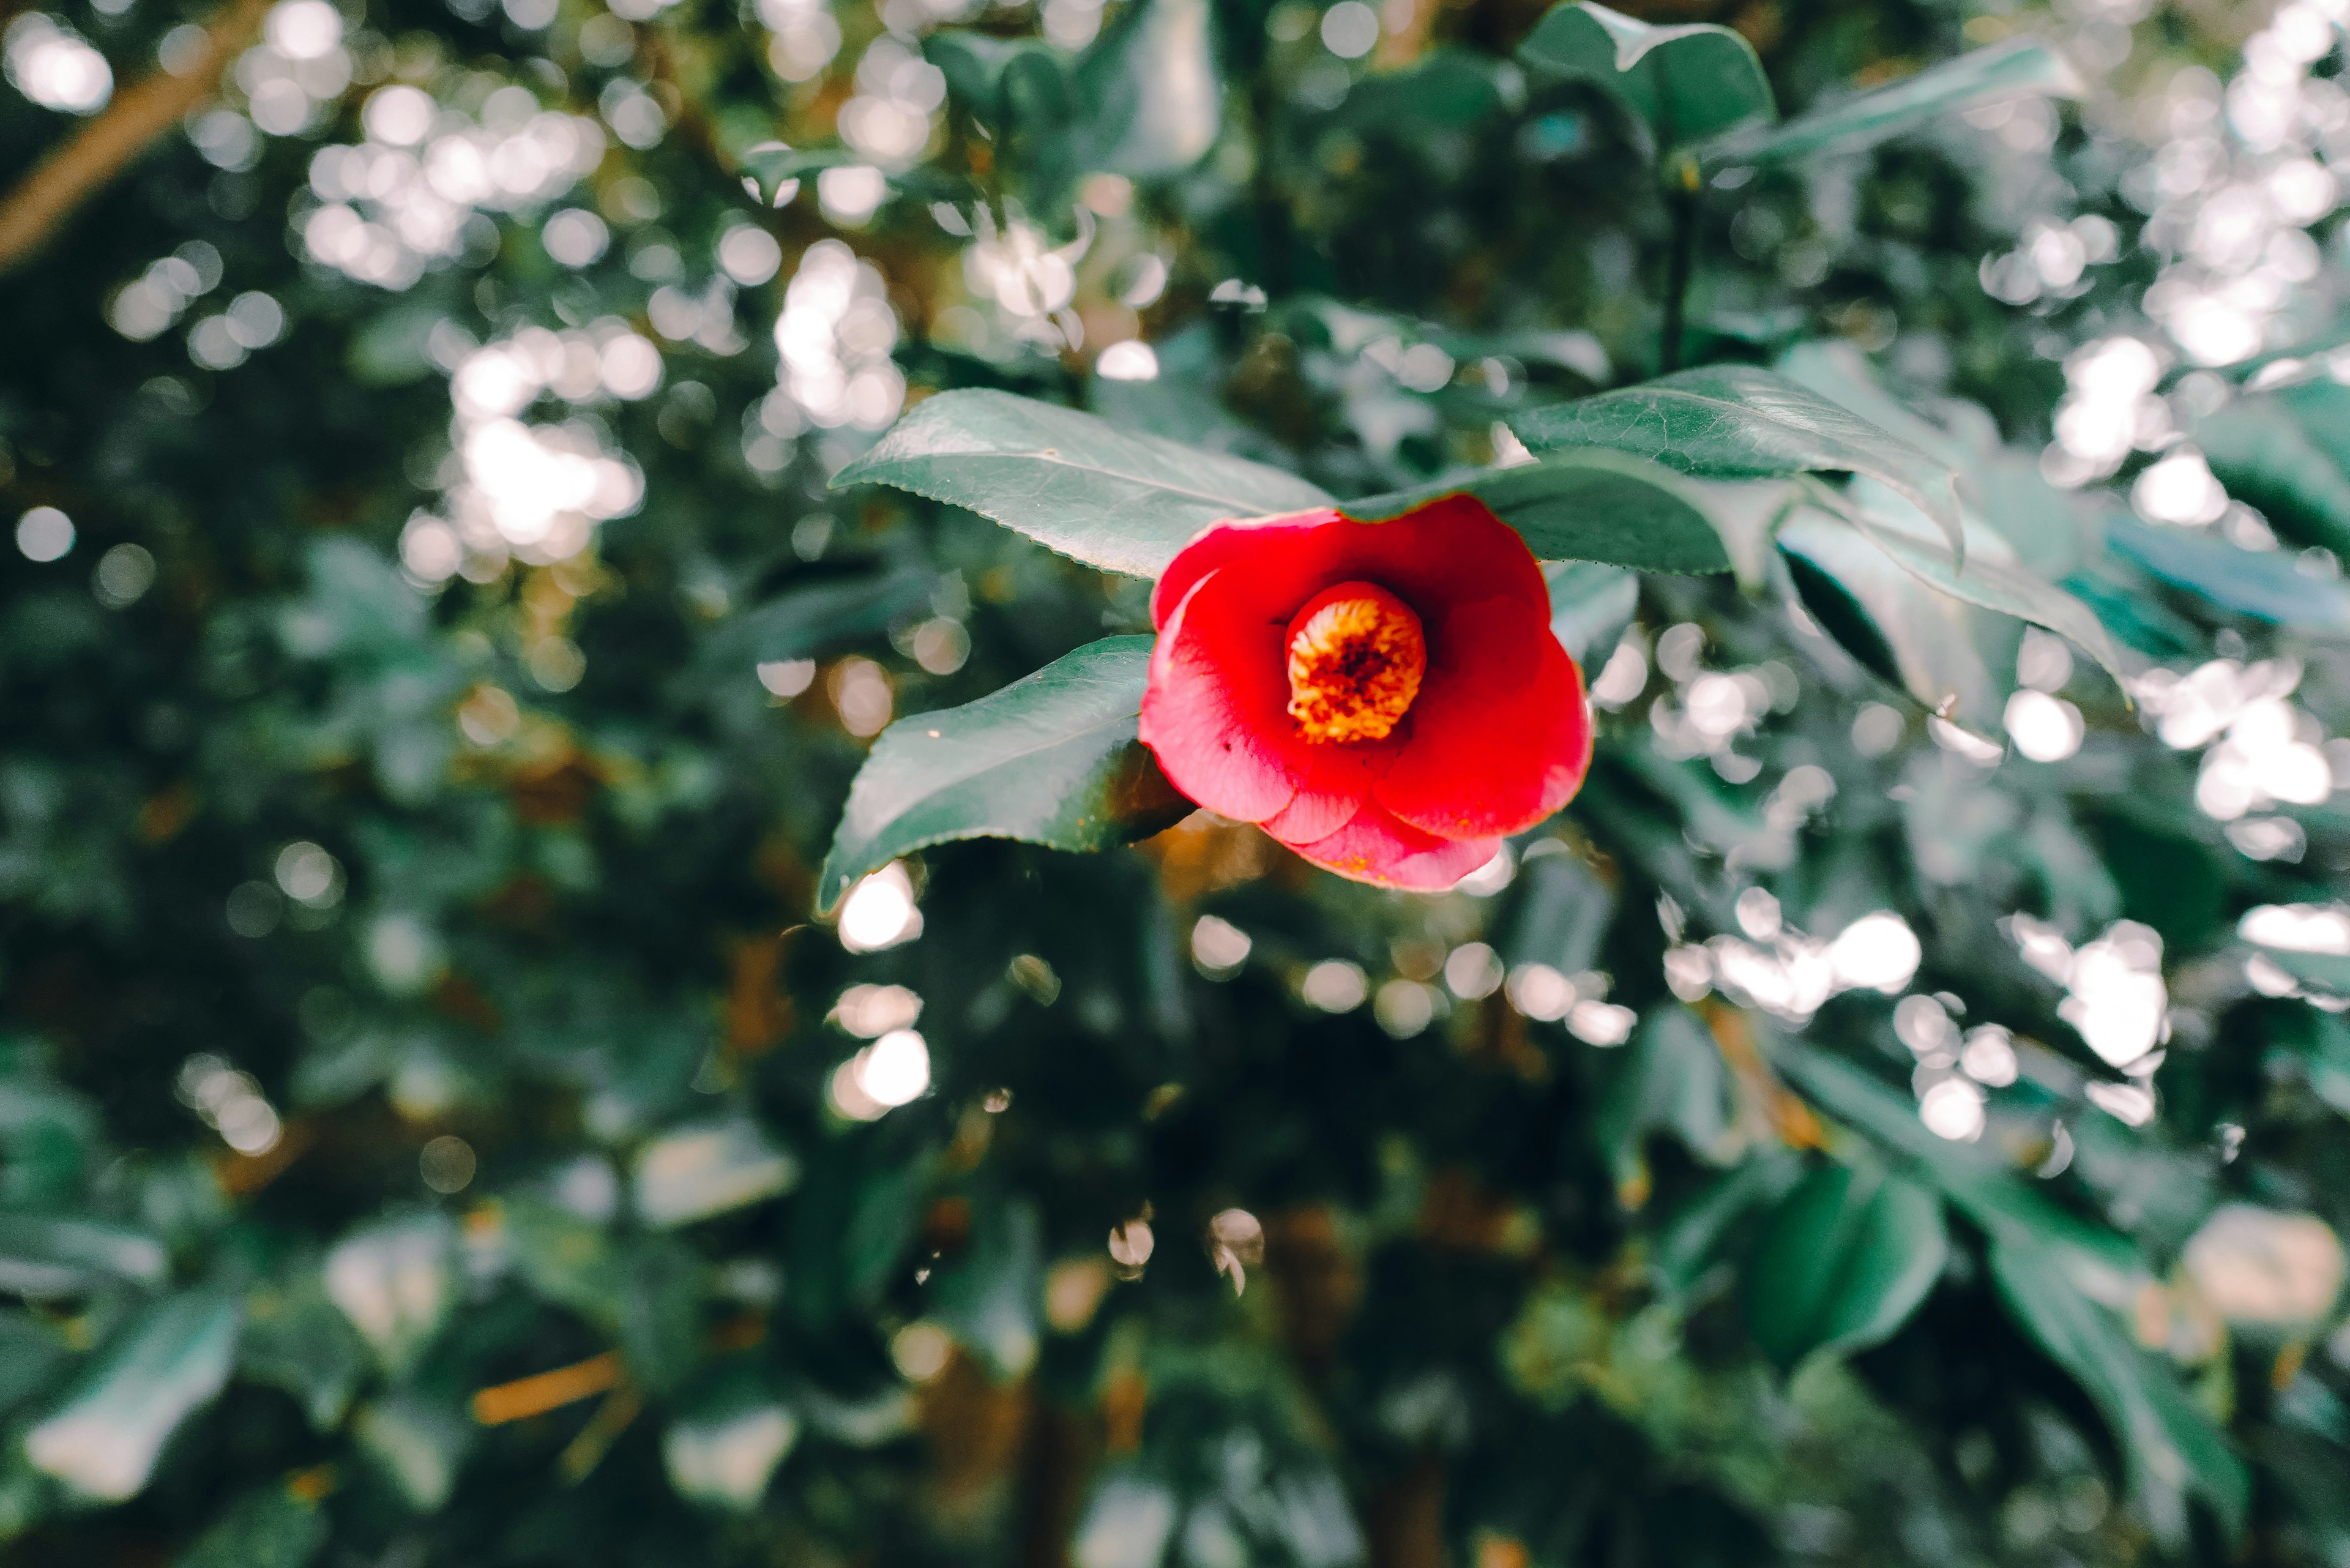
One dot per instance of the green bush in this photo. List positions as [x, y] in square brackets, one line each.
[509, 1058]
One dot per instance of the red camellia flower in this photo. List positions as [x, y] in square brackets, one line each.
[1384, 698]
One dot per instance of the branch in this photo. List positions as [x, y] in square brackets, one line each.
[30, 213]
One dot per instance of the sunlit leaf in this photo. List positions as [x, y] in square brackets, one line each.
[771, 171]
[1685, 82]
[2263, 585]
[157, 1371]
[1051, 759]
[416, 1445]
[1075, 484]
[1925, 643]
[1986, 580]
[44, 1255]
[1590, 606]
[2259, 449]
[2024, 67]
[1152, 97]
[1738, 422]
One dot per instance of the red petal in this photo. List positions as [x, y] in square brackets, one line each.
[1215, 711]
[1376, 847]
[1338, 781]
[1446, 552]
[1501, 733]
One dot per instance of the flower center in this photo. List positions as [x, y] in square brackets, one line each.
[1356, 658]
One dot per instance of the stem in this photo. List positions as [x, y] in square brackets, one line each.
[1683, 203]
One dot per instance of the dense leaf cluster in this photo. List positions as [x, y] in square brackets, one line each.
[462, 903]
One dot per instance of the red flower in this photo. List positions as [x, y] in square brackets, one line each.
[1384, 698]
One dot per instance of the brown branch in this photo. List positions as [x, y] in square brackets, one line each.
[537, 1395]
[31, 212]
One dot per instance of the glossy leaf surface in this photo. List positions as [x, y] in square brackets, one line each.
[1738, 422]
[1051, 759]
[2024, 67]
[1112, 498]
[1684, 82]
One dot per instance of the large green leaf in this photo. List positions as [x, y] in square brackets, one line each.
[1738, 422]
[1584, 505]
[2171, 1447]
[1842, 1262]
[2024, 67]
[1077, 485]
[1986, 580]
[1684, 83]
[171, 1360]
[1051, 759]
[2263, 585]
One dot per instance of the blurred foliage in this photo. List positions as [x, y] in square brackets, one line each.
[437, 1126]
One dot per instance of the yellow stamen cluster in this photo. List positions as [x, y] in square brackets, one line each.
[1356, 656]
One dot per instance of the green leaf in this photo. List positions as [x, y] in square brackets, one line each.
[47, 1255]
[991, 1299]
[2168, 1444]
[1842, 1262]
[1004, 81]
[804, 621]
[2263, 585]
[1689, 1241]
[693, 1173]
[167, 1363]
[1923, 642]
[771, 171]
[416, 1445]
[2020, 69]
[1670, 1078]
[1557, 914]
[1152, 100]
[1074, 483]
[1584, 505]
[2327, 973]
[2259, 449]
[295, 1339]
[2099, 1262]
[32, 1351]
[725, 1449]
[1590, 606]
[271, 1527]
[1986, 580]
[1738, 422]
[1685, 84]
[1051, 759]
[396, 1281]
